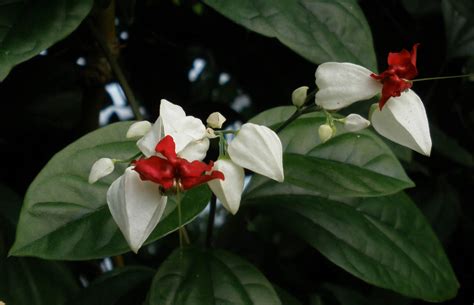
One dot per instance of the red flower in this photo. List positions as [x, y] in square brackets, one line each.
[173, 171]
[396, 79]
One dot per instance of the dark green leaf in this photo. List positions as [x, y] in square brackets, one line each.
[384, 241]
[29, 27]
[285, 297]
[209, 277]
[459, 22]
[114, 286]
[10, 204]
[318, 30]
[349, 164]
[343, 295]
[64, 217]
[27, 281]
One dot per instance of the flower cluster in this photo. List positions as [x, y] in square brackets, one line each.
[172, 152]
[400, 115]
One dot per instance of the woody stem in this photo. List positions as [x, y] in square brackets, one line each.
[210, 221]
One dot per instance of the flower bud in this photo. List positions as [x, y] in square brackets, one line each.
[210, 133]
[215, 120]
[325, 132]
[138, 129]
[354, 122]
[298, 97]
[100, 169]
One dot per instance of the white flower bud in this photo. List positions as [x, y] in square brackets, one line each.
[138, 129]
[215, 120]
[325, 132]
[354, 122]
[100, 169]
[210, 133]
[298, 97]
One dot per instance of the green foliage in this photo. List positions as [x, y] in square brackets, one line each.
[350, 164]
[203, 277]
[318, 30]
[64, 217]
[385, 241]
[459, 21]
[29, 27]
[114, 286]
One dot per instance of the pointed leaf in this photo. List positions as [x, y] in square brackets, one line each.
[209, 277]
[318, 30]
[29, 27]
[349, 164]
[65, 217]
[384, 241]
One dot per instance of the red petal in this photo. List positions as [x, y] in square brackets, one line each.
[413, 54]
[167, 148]
[156, 169]
[193, 169]
[392, 86]
[190, 182]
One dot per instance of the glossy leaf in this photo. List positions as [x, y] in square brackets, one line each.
[115, 286]
[349, 164]
[29, 27]
[209, 277]
[384, 241]
[318, 30]
[65, 217]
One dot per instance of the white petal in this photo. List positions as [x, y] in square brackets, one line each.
[259, 149]
[182, 128]
[341, 84]
[195, 150]
[138, 129]
[136, 207]
[354, 122]
[148, 143]
[403, 120]
[101, 168]
[229, 190]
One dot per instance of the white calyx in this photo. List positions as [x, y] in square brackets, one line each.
[215, 120]
[298, 97]
[354, 122]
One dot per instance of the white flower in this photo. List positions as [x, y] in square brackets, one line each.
[402, 120]
[298, 97]
[354, 122]
[259, 149]
[188, 132]
[229, 190]
[325, 132]
[215, 120]
[100, 169]
[138, 129]
[136, 206]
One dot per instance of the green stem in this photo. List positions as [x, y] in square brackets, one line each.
[441, 77]
[180, 232]
[210, 221]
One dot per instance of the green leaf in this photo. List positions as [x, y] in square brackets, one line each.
[318, 30]
[343, 295]
[29, 27]
[10, 204]
[384, 241]
[349, 164]
[114, 286]
[209, 277]
[65, 217]
[285, 297]
[459, 22]
[26, 281]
